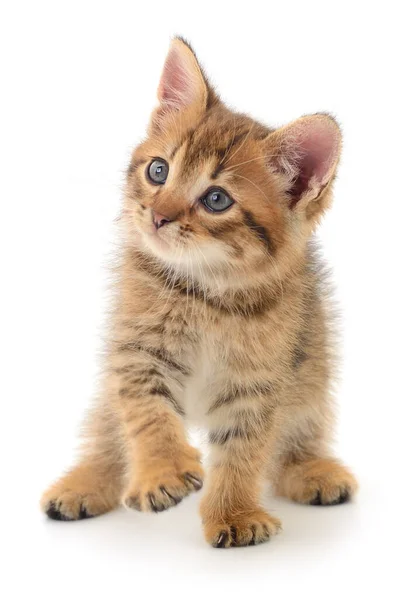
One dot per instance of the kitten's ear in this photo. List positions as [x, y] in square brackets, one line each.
[306, 152]
[182, 84]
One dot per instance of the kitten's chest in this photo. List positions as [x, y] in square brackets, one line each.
[214, 366]
[199, 386]
[227, 354]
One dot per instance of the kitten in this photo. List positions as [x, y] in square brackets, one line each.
[221, 319]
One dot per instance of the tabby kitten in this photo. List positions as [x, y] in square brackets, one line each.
[221, 319]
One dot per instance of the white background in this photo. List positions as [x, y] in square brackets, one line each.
[78, 81]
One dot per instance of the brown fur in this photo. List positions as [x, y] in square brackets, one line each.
[222, 319]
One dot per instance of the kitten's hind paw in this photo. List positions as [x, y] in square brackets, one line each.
[72, 506]
[55, 511]
[80, 494]
[319, 482]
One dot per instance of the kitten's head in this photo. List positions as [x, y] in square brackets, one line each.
[211, 191]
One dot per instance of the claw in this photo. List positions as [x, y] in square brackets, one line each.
[197, 483]
[317, 500]
[266, 532]
[84, 514]
[172, 498]
[153, 504]
[222, 539]
[343, 497]
[55, 514]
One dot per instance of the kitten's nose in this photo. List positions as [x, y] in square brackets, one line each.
[159, 220]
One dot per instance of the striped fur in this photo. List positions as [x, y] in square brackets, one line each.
[221, 319]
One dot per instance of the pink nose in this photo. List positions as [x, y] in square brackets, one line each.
[159, 220]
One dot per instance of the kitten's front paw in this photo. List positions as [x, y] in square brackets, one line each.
[242, 530]
[164, 487]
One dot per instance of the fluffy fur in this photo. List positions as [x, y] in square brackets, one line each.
[221, 319]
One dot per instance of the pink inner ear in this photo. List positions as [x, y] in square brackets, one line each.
[317, 147]
[176, 85]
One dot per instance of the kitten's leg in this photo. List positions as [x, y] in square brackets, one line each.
[306, 472]
[94, 486]
[163, 467]
[231, 513]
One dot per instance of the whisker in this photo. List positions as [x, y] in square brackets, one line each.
[243, 142]
[215, 280]
[263, 157]
[228, 149]
[254, 184]
[173, 278]
[203, 286]
[192, 276]
[203, 283]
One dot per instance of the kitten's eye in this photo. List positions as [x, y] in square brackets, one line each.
[216, 200]
[158, 171]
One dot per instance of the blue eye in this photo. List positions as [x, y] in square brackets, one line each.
[158, 171]
[216, 200]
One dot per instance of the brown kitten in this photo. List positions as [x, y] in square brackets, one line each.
[221, 318]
